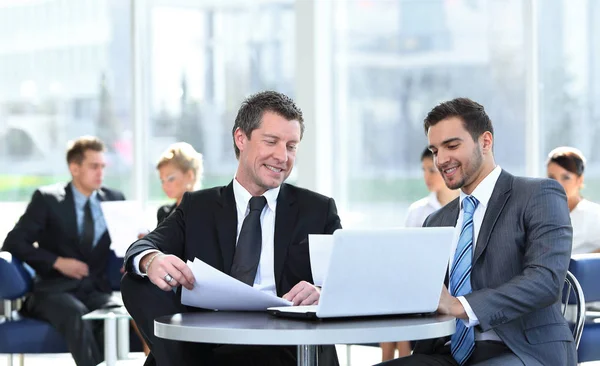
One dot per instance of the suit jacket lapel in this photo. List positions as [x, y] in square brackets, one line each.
[226, 217]
[285, 221]
[500, 196]
[449, 219]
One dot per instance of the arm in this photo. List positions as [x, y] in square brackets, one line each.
[545, 262]
[28, 230]
[168, 238]
[333, 220]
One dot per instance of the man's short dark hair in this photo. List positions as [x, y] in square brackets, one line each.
[473, 115]
[250, 113]
[77, 148]
[426, 154]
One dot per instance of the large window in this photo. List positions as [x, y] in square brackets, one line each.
[64, 72]
[569, 67]
[206, 58]
[393, 61]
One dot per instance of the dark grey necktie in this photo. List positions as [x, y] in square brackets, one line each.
[247, 251]
[87, 236]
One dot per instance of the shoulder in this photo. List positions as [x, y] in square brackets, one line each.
[50, 193]
[112, 194]
[419, 205]
[531, 186]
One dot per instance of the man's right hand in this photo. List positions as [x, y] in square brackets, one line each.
[172, 265]
[71, 267]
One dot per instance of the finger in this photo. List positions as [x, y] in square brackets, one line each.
[161, 284]
[187, 279]
[302, 295]
[312, 298]
[294, 291]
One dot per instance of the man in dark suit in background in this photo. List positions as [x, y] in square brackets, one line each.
[510, 253]
[72, 250]
[255, 229]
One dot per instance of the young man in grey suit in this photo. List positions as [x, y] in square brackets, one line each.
[72, 250]
[255, 229]
[510, 253]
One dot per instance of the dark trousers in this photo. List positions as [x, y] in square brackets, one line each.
[145, 302]
[488, 353]
[63, 310]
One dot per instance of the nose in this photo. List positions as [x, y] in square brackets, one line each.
[281, 153]
[441, 159]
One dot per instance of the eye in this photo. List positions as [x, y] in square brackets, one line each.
[292, 147]
[270, 142]
[452, 147]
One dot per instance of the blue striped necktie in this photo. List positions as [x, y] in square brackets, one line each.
[462, 342]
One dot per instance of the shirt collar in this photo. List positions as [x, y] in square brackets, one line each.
[483, 191]
[242, 197]
[80, 197]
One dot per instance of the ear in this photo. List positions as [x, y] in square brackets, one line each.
[580, 181]
[486, 140]
[74, 169]
[240, 139]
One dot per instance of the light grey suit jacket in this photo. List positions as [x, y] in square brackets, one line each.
[519, 265]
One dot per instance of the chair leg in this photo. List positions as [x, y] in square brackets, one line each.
[21, 360]
[348, 355]
[10, 359]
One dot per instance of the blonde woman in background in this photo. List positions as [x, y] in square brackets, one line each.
[180, 169]
[439, 196]
[566, 165]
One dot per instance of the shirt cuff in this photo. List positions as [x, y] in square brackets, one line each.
[473, 321]
[138, 258]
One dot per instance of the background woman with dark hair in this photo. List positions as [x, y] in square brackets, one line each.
[566, 165]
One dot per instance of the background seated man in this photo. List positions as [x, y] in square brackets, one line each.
[72, 253]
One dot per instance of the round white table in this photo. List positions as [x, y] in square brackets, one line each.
[257, 328]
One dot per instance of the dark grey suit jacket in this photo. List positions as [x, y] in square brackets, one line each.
[50, 220]
[519, 265]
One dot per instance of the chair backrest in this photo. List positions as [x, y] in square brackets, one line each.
[16, 280]
[572, 287]
[586, 268]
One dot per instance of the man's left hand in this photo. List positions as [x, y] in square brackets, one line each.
[303, 294]
[450, 305]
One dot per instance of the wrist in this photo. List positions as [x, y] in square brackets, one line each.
[147, 261]
[457, 309]
[56, 263]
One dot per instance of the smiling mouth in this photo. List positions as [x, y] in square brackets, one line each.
[273, 169]
[450, 171]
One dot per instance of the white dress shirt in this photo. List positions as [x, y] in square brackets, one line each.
[483, 193]
[265, 275]
[419, 210]
[585, 219]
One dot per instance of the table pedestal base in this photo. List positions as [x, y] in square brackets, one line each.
[308, 355]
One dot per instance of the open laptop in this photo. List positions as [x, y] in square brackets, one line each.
[381, 272]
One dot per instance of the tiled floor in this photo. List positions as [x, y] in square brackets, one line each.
[360, 356]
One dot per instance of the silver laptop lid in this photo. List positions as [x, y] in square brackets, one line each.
[385, 271]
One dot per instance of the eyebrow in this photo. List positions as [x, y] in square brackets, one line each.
[446, 142]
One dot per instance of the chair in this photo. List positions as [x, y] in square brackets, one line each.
[16, 331]
[572, 287]
[586, 268]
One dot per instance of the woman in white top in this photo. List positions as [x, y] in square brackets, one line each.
[566, 165]
[417, 213]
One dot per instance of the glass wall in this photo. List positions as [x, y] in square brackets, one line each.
[569, 68]
[64, 72]
[206, 58]
[394, 61]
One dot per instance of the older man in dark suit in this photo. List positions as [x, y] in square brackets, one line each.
[254, 229]
[510, 255]
[72, 250]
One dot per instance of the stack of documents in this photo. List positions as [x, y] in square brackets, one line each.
[215, 290]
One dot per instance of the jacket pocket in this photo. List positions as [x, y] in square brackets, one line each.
[558, 332]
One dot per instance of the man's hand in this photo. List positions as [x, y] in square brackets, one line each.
[303, 294]
[172, 265]
[72, 268]
[450, 305]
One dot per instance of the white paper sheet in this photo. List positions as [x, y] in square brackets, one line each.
[124, 221]
[216, 290]
[319, 247]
